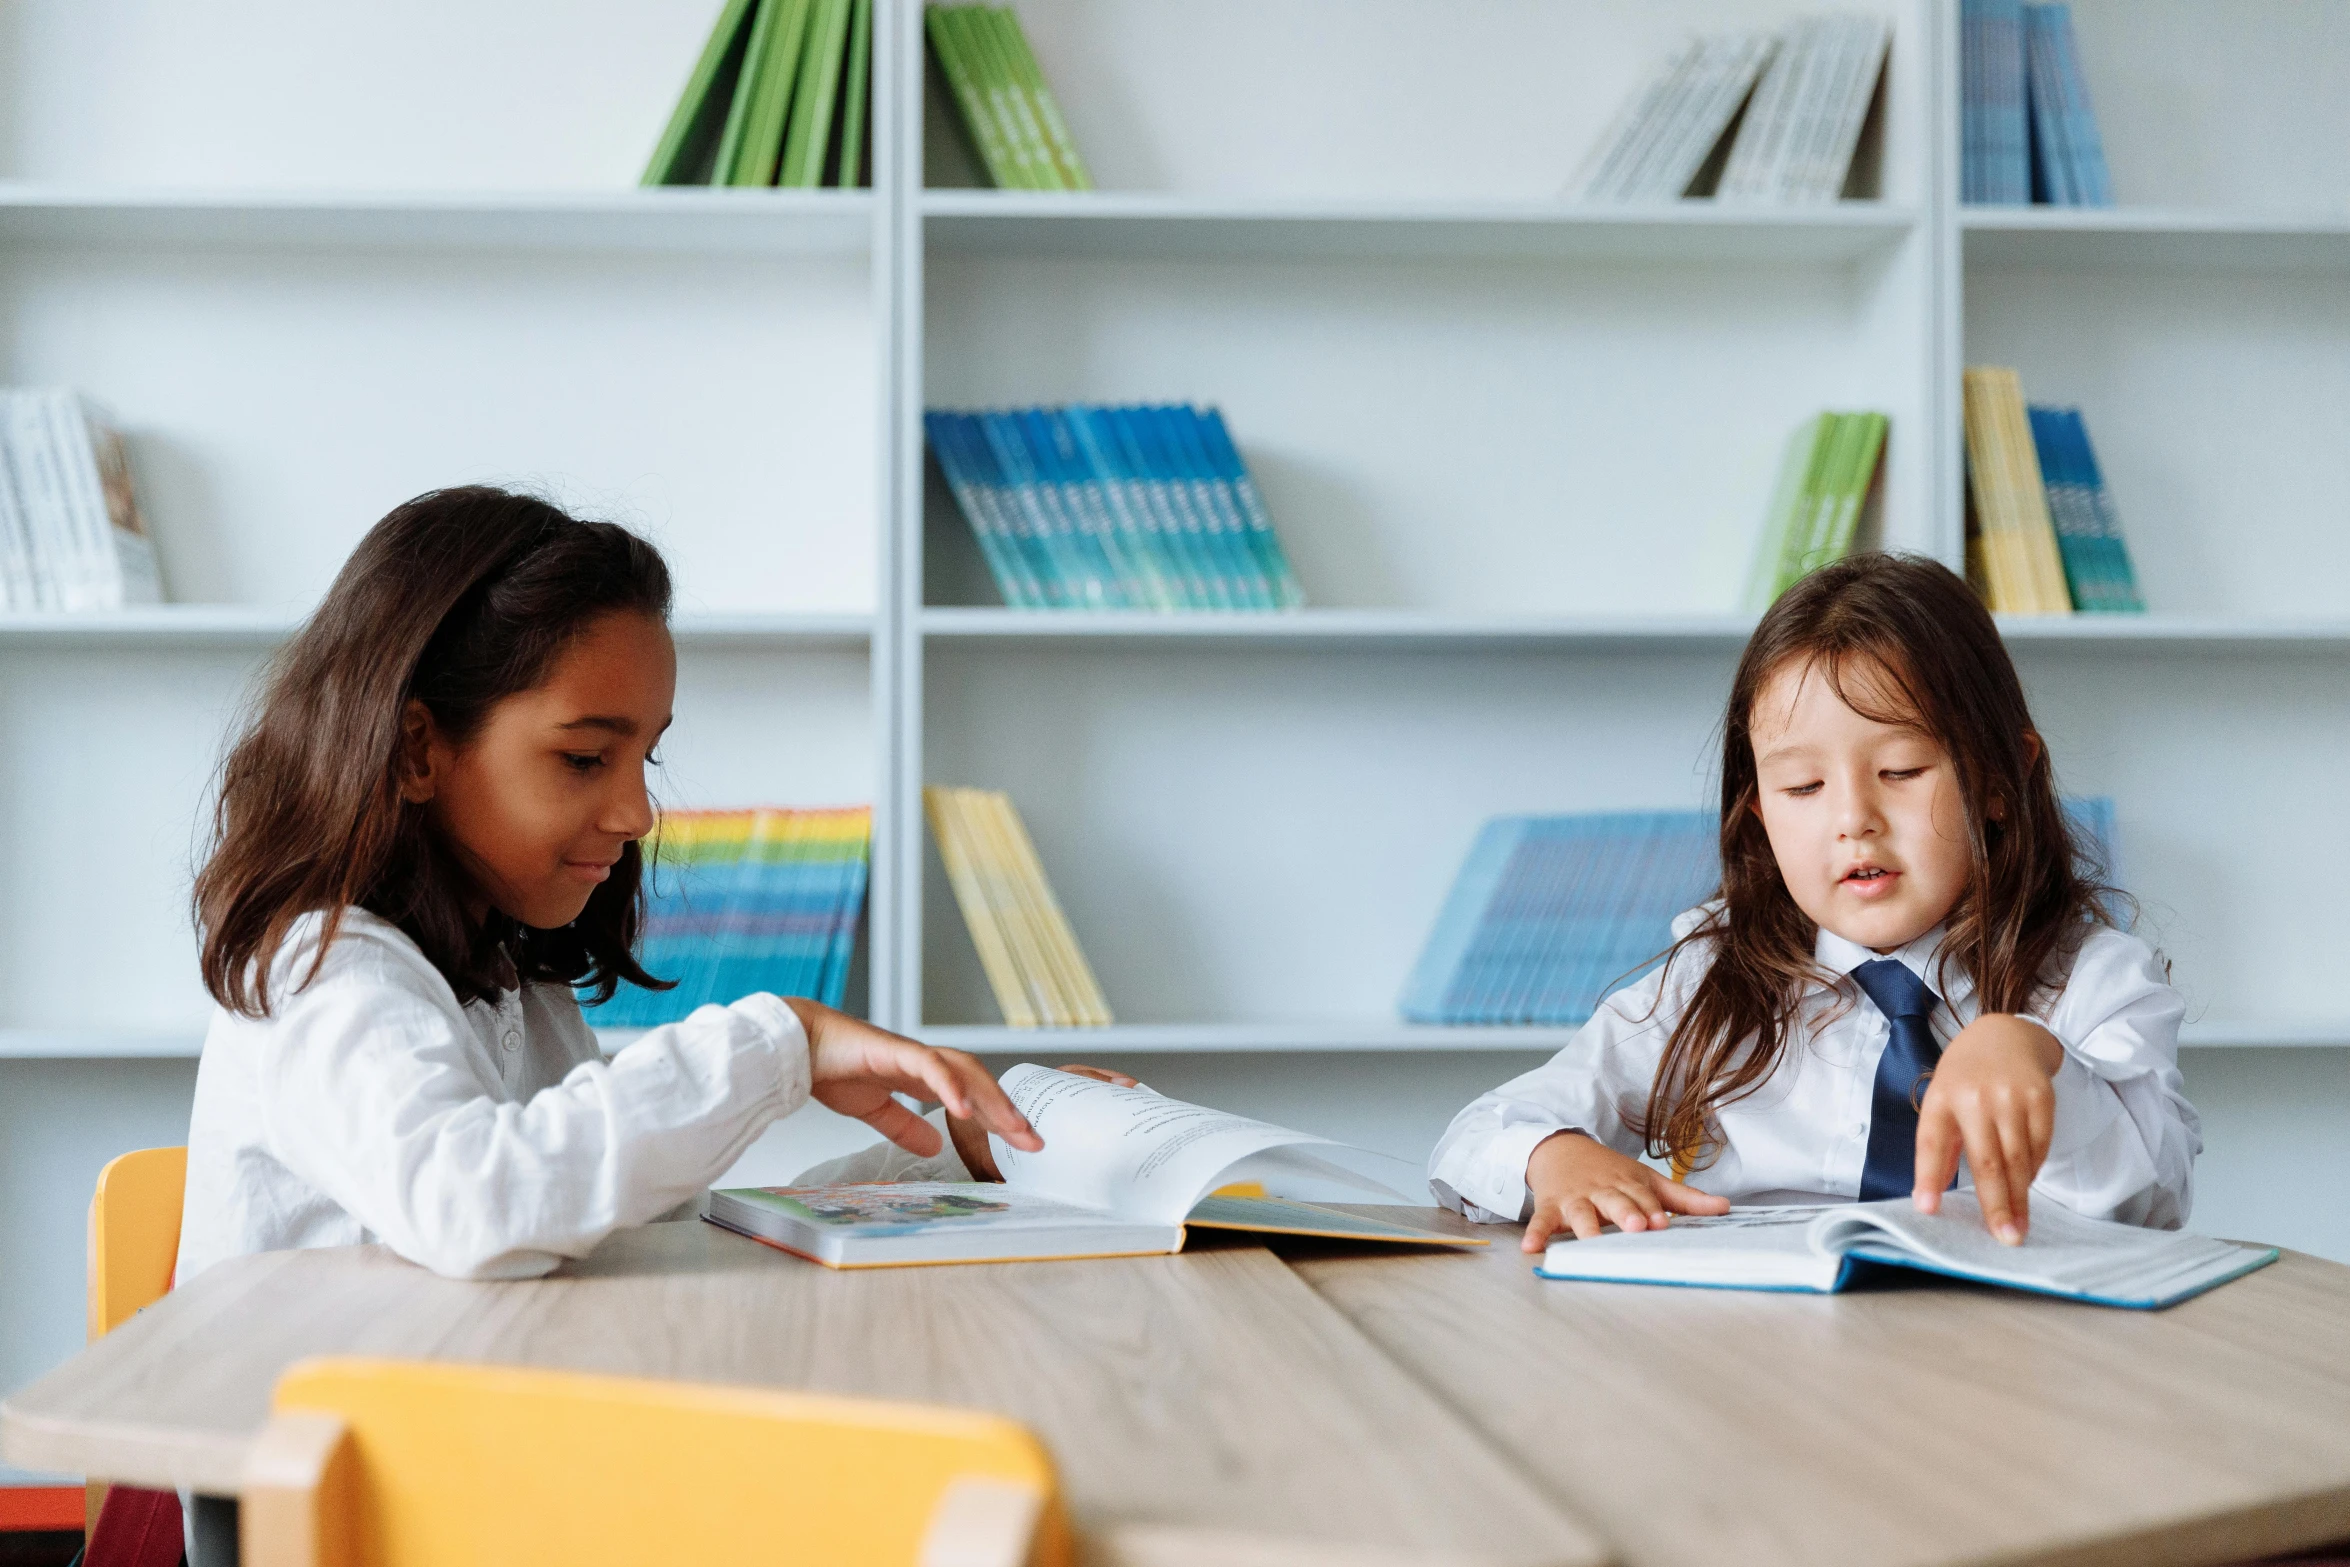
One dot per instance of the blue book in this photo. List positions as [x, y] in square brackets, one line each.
[2124, 596]
[1823, 1249]
[2071, 510]
[1079, 579]
[1992, 37]
[2086, 179]
[1179, 432]
[1231, 470]
[1551, 913]
[1066, 463]
[1184, 529]
[1036, 577]
[1060, 485]
[2051, 157]
[1125, 489]
[997, 545]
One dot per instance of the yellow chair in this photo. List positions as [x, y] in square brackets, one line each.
[425, 1464]
[134, 1245]
[134, 1234]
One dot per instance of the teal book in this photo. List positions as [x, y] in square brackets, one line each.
[1823, 1249]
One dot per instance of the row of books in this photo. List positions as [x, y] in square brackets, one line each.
[1010, 116]
[1030, 955]
[741, 901]
[1551, 913]
[2042, 534]
[2028, 133]
[781, 95]
[1790, 106]
[71, 536]
[1087, 507]
[1824, 482]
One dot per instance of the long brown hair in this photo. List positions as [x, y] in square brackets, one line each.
[1901, 640]
[459, 599]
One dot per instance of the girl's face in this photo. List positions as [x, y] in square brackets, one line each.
[1864, 817]
[540, 801]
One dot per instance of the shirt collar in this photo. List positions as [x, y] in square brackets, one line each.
[1921, 957]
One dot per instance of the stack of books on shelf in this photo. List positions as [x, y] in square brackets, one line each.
[782, 95]
[741, 901]
[71, 537]
[1113, 508]
[1824, 483]
[1031, 957]
[1748, 116]
[1009, 114]
[2029, 134]
[2042, 535]
[1550, 913]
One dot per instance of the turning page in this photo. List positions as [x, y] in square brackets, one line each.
[1146, 1157]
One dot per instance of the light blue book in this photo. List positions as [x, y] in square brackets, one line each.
[978, 506]
[2071, 510]
[1032, 583]
[1092, 541]
[1080, 578]
[2086, 176]
[2052, 163]
[1272, 559]
[1992, 36]
[1125, 491]
[1179, 431]
[2124, 596]
[1065, 463]
[1201, 529]
[1823, 1249]
[1184, 531]
[1550, 913]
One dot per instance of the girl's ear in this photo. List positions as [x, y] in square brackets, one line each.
[417, 735]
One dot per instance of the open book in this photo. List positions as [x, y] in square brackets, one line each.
[1123, 1172]
[1817, 1249]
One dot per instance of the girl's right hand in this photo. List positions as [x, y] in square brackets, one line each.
[856, 1069]
[1581, 1184]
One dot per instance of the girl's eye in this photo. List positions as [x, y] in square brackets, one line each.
[1900, 774]
[583, 761]
[1800, 790]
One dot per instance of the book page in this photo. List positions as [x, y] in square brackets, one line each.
[1136, 1153]
[2061, 1250]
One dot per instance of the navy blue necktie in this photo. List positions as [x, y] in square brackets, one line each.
[1910, 1054]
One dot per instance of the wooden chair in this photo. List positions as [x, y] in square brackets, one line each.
[134, 1245]
[427, 1464]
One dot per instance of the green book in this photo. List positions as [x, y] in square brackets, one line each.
[684, 154]
[779, 69]
[804, 145]
[1788, 512]
[1061, 145]
[1843, 450]
[984, 27]
[856, 93]
[1852, 488]
[746, 92]
[954, 59]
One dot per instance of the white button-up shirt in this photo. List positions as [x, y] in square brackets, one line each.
[2124, 1143]
[489, 1140]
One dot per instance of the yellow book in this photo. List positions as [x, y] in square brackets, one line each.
[995, 956]
[2019, 551]
[999, 882]
[1073, 977]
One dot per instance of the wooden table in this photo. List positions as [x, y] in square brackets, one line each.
[1446, 1404]
[1926, 1422]
[1210, 1389]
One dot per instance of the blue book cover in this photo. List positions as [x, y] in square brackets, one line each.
[2085, 146]
[979, 513]
[1077, 580]
[2052, 171]
[1065, 500]
[1140, 578]
[1039, 579]
[1125, 487]
[2124, 597]
[2071, 510]
[1182, 528]
[1179, 431]
[1457, 922]
[1200, 523]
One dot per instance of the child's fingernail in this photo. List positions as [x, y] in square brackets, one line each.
[2010, 1234]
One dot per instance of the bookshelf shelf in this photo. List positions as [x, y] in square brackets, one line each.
[164, 626]
[1389, 629]
[46, 1044]
[695, 221]
[2154, 238]
[1135, 225]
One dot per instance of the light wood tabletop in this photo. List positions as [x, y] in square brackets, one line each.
[1209, 1390]
[1914, 1424]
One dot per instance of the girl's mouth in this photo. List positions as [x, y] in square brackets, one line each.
[1869, 880]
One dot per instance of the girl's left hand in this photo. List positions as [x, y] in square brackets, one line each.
[858, 1070]
[1992, 1097]
[971, 1137]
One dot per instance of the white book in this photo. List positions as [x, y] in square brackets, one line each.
[1614, 158]
[1718, 87]
[1862, 42]
[118, 560]
[20, 574]
[59, 563]
[1123, 1172]
[1819, 1249]
[1759, 154]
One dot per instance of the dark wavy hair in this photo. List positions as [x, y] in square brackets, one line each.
[459, 599]
[1901, 640]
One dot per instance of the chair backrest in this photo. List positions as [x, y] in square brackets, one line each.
[380, 1463]
[134, 1233]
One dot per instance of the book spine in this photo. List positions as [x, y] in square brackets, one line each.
[1853, 494]
[2124, 596]
[1061, 573]
[2051, 179]
[1264, 540]
[2006, 133]
[1090, 541]
[747, 89]
[1252, 587]
[690, 122]
[1868, 40]
[1184, 538]
[1098, 451]
[1643, 120]
[955, 852]
[856, 94]
[1023, 137]
[762, 149]
[978, 512]
[2092, 185]
[1184, 483]
[1130, 555]
[2076, 544]
[809, 137]
[978, 116]
[1060, 144]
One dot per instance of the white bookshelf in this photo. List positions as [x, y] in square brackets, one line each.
[320, 260]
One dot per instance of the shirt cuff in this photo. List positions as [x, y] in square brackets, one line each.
[787, 1044]
[1497, 1181]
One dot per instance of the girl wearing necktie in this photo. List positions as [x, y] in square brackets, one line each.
[1908, 978]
